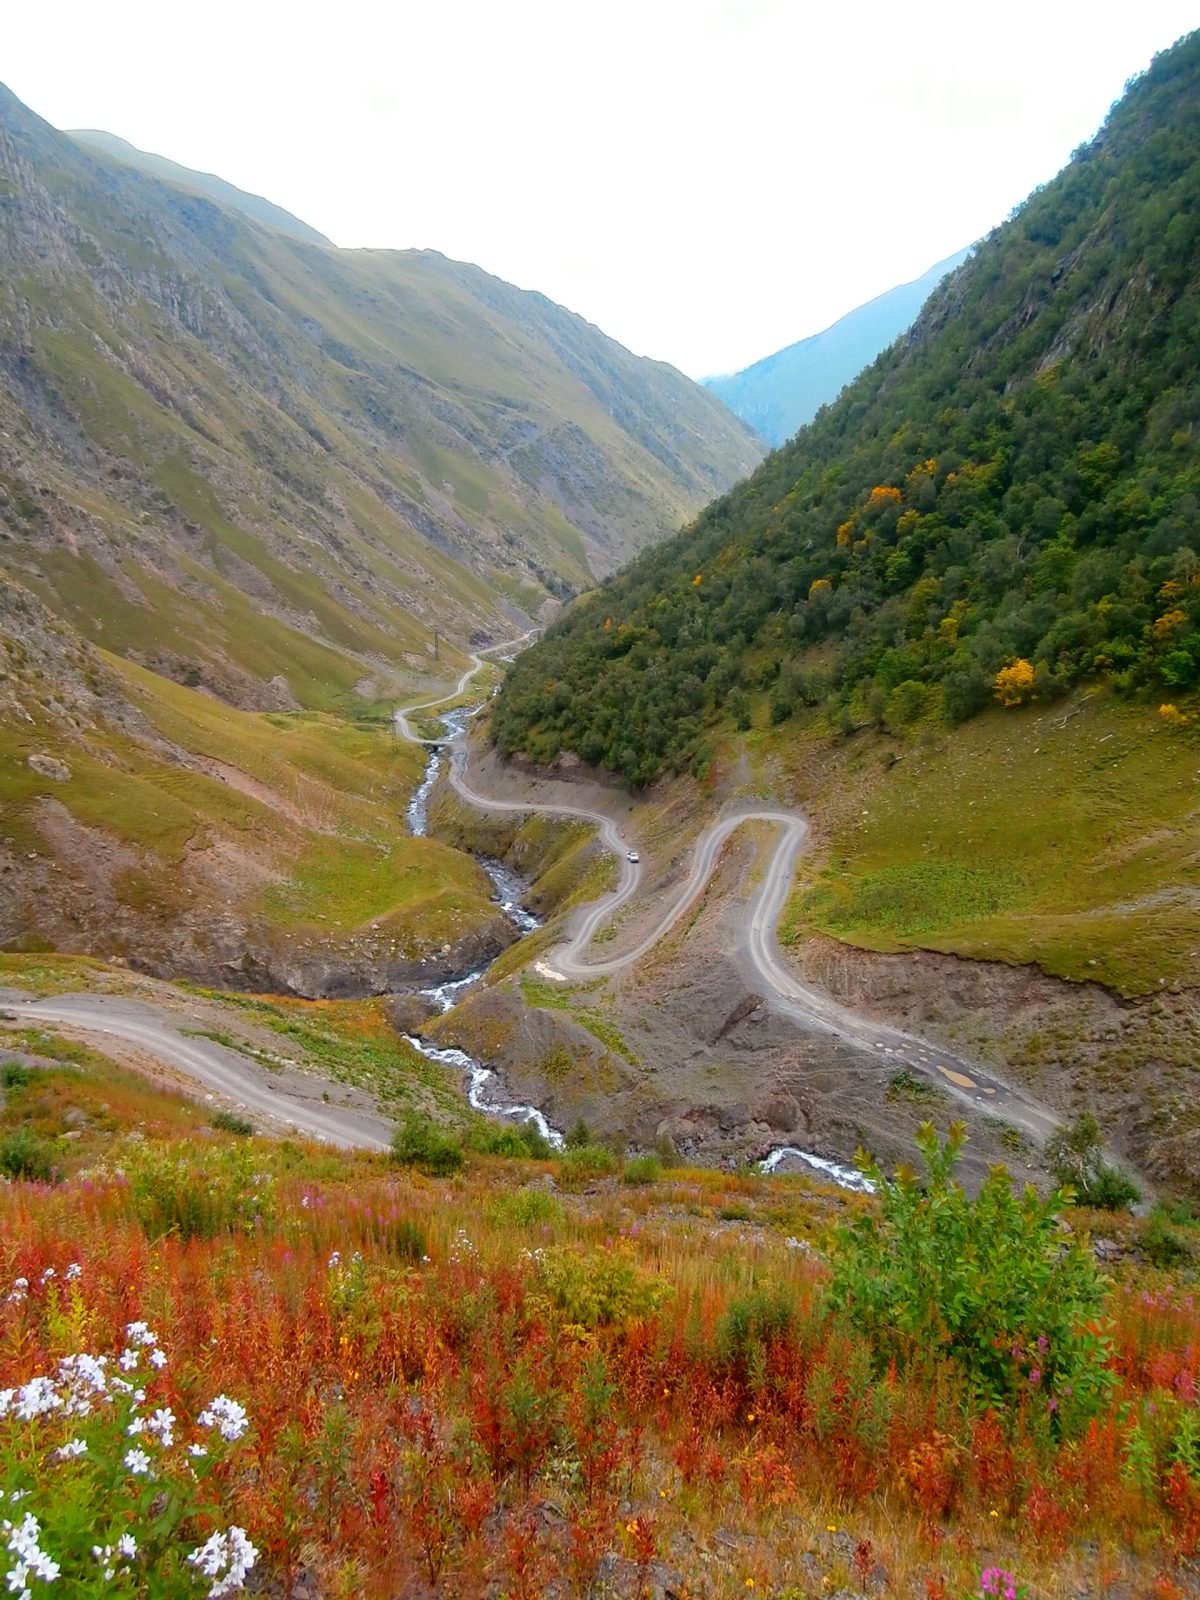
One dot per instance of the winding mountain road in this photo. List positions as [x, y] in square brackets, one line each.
[278, 1097]
[758, 945]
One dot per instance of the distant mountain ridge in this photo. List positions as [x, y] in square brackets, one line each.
[205, 419]
[253, 206]
[780, 393]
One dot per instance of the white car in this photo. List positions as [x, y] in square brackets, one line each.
[632, 855]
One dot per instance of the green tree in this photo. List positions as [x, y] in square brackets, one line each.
[988, 1284]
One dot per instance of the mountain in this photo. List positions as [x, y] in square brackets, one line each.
[244, 477]
[958, 615]
[271, 468]
[783, 391]
[251, 205]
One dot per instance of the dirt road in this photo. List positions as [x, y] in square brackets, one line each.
[758, 946]
[277, 1098]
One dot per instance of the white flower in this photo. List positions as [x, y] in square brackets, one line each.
[225, 1414]
[136, 1427]
[74, 1271]
[48, 1274]
[139, 1333]
[161, 1425]
[157, 1360]
[35, 1398]
[230, 1550]
[129, 1360]
[197, 1450]
[31, 1558]
[137, 1461]
[335, 1259]
[127, 1546]
[73, 1447]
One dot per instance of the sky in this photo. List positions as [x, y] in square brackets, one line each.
[706, 180]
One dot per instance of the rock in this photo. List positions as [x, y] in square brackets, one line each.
[49, 767]
[406, 1012]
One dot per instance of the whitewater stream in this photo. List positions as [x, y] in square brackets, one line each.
[481, 1080]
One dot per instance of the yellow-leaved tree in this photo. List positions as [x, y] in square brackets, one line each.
[1014, 683]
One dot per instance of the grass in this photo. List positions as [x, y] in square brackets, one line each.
[353, 1043]
[1065, 836]
[554, 997]
[648, 1353]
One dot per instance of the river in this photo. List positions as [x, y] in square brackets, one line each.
[482, 1080]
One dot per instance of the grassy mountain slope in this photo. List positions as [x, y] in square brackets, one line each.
[144, 819]
[1001, 509]
[240, 457]
[253, 205]
[782, 392]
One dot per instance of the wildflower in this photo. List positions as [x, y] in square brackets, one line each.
[162, 1425]
[36, 1398]
[73, 1447]
[157, 1359]
[139, 1333]
[997, 1581]
[335, 1259]
[197, 1450]
[129, 1360]
[137, 1462]
[22, 1542]
[48, 1274]
[226, 1415]
[230, 1550]
[74, 1271]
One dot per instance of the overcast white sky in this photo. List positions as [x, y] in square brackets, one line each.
[707, 180]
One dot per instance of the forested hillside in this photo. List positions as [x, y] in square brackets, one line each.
[1003, 505]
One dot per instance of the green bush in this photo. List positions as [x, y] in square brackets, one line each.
[642, 1170]
[232, 1122]
[1161, 1243]
[752, 1323]
[517, 1141]
[199, 1195]
[14, 1074]
[420, 1142]
[1075, 1156]
[24, 1154]
[585, 1164]
[604, 1289]
[989, 1284]
[578, 1135]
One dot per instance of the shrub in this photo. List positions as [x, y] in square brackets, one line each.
[14, 1074]
[642, 1170]
[232, 1122]
[578, 1135]
[527, 1208]
[198, 1196]
[517, 1141]
[988, 1284]
[1162, 1244]
[420, 1142]
[23, 1154]
[603, 1289]
[585, 1164]
[752, 1323]
[1075, 1156]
